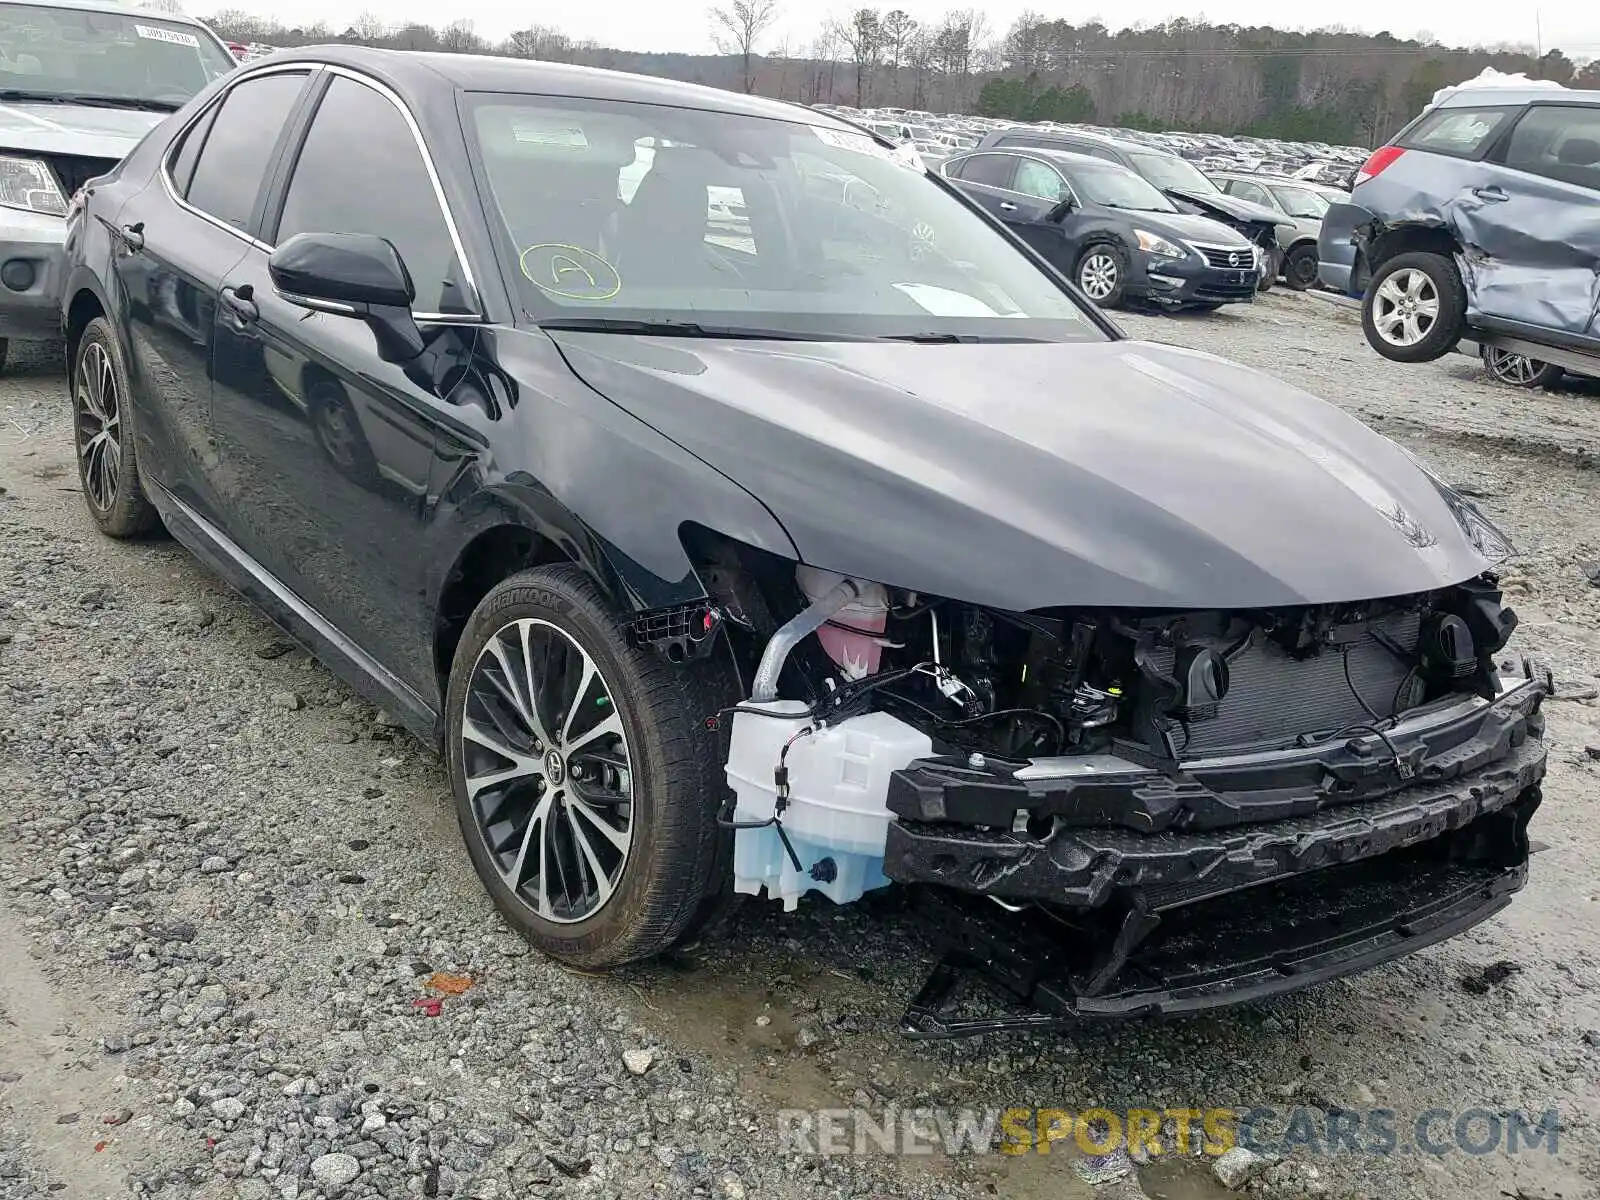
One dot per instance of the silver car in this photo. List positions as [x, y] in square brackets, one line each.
[1294, 198]
[81, 81]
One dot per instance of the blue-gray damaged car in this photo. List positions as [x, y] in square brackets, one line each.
[1477, 223]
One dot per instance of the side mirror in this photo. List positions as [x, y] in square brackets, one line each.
[1063, 206]
[353, 275]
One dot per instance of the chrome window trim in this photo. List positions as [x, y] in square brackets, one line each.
[311, 67]
[165, 172]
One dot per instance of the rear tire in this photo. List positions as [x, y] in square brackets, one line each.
[1518, 370]
[618, 780]
[1300, 268]
[1415, 308]
[103, 435]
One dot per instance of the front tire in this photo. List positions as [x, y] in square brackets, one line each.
[102, 418]
[587, 784]
[1300, 268]
[1102, 274]
[1415, 308]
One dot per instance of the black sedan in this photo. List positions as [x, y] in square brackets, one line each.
[1108, 229]
[740, 509]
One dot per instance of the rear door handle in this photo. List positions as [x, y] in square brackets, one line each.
[1007, 206]
[240, 301]
[1493, 194]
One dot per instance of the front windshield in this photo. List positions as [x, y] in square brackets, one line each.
[1117, 187]
[1170, 171]
[1300, 202]
[136, 57]
[627, 212]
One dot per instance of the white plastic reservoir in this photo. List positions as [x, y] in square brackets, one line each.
[838, 789]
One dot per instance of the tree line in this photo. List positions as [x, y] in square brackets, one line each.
[1330, 85]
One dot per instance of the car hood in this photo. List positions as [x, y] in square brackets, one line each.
[1026, 476]
[74, 129]
[1188, 227]
[1231, 206]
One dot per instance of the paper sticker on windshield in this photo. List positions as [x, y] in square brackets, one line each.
[176, 36]
[842, 139]
[905, 156]
[569, 136]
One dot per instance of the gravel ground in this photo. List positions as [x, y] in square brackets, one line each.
[237, 920]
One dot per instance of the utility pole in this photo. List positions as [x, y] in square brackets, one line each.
[1538, 35]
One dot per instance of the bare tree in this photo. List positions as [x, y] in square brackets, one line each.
[543, 42]
[862, 35]
[369, 27]
[736, 28]
[899, 28]
[459, 37]
[825, 52]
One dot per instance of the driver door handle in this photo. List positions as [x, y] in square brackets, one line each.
[1492, 194]
[240, 301]
[1007, 206]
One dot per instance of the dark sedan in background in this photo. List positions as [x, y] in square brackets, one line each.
[1109, 230]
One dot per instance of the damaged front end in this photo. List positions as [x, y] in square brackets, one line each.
[1117, 812]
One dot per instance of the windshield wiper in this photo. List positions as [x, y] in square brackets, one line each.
[88, 100]
[691, 329]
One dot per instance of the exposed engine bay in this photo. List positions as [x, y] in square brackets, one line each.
[1087, 789]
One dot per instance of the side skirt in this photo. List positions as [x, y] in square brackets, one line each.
[295, 617]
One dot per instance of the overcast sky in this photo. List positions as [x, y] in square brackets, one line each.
[1572, 25]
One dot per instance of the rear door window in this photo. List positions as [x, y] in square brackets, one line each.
[1558, 141]
[240, 145]
[1460, 132]
[991, 170]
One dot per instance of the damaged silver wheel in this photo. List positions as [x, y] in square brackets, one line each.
[586, 781]
[1406, 307]
[1519, 370]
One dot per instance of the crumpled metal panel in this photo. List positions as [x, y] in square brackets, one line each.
[1533, 256]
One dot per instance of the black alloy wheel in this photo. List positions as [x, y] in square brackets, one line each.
[108, 466]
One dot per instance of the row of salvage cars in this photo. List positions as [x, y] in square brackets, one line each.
[1474, 229]
[1128, 221]
[857, 548]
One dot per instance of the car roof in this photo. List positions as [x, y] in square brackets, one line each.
[1266, 177]
[426, 71]
[1502, 97]
[113, 6]
[1066, 158]
[1127, 145]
